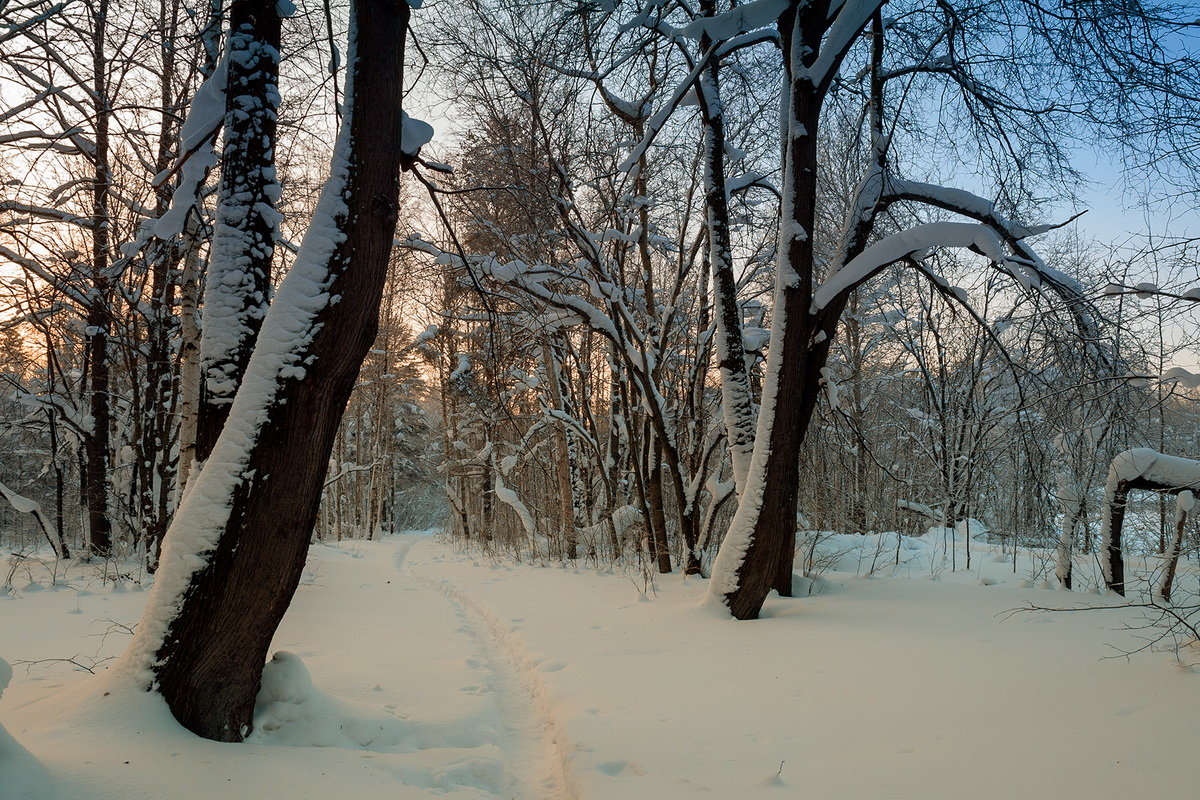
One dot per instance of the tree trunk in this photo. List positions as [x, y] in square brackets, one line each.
[736, 398]
[99, 314]
[1184, 503]
[236, 550]
[239, 270]
[759, 551]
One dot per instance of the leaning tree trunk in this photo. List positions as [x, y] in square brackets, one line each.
[235, 551]
[760, 544]
[1185, 502]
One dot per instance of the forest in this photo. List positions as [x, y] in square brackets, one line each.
[598, 398]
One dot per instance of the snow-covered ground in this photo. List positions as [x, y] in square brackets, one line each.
[439, 673]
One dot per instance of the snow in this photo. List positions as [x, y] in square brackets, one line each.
[281, 346]
[742, 19]
[408, 669]
[246, 225]
[509, 497]
[414, 134]
[22, 777]
[898, 245]
[204, 119]
[1142, 462]
[20, 503]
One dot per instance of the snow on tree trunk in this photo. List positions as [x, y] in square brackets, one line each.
[1071, 498]
[736, 397]
[1140, 468]
[759, 549]
[1185, 502]
[239, 268]
[573, 516]
[189, 357]
[235, 551]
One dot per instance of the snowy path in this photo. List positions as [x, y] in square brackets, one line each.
[414, 692]
[436, 674]
[533, 742]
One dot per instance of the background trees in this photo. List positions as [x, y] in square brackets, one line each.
[638, 319]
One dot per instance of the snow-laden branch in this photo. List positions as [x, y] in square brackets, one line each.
[197, 156]
[890, 249]
[655, 124]
[1139, 468]
[36, 269]
[509, 497]
[50, 214]
[851, 17]
[1027, 267]
[1030, 270]
[23, 505]
[736, 21]
[15, 29]
[531, 279]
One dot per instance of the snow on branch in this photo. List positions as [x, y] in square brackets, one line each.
[1030, 270]
[1024, 265]
[23, 505]
[531, 279]
[197, 157]
[929, 512]
[739, 20]
[509, 497]
[852, 16]
[897, 246]
[414, 134]
[654, 126]
[1139, 468]
[50, 214]
[37, 270]
[1146, 290]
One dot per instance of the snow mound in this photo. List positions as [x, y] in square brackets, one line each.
[23, 777]
[291, 711]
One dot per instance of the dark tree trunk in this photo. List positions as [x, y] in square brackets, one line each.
[244, 238]
[1113, 555]
[210, 662]
[803, 347]
[771, 553]
[155, 461]
[99, 313]
[736, 396]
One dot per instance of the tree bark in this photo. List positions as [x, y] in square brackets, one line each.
[239, 271]
[1184, 503]
[736, 397]
[759, 551]
[208, 662]
[99, 312]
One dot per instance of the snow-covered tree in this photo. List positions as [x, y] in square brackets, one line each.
[234, 553]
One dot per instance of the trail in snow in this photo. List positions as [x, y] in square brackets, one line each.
[535, 745]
